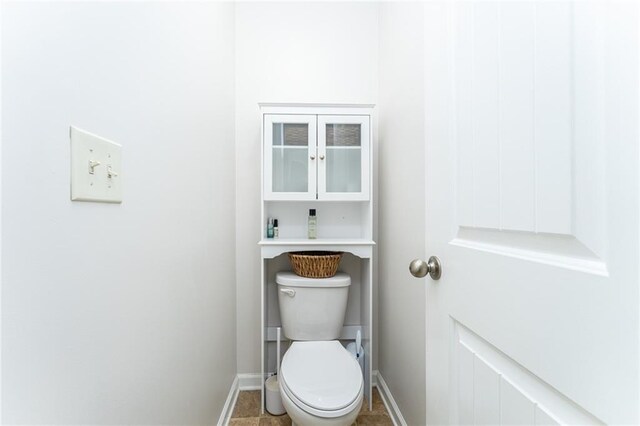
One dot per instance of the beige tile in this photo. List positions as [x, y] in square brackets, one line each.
[244, 421]
[269, 420]
[365, 407]
[377, 406]
[374, 420]
[247, 405]
[247, 412]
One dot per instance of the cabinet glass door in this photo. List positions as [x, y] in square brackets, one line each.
[343, 157]
[290, 154]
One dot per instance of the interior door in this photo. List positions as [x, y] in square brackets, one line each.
[532, 207]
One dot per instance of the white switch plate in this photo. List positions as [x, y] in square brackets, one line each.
[105, 183]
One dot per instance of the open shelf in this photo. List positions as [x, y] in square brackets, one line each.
[270, 248]
[316, 242]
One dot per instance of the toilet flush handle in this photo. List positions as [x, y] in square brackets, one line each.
[288, 291]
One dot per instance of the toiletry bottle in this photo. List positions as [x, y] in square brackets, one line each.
[312, 224]
[276, 231]
[270, 228]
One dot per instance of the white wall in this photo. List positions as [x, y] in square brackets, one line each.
[401, 225]
[289, 52]
[118, 313]
[1, 273]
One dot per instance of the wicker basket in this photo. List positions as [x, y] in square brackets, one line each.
[315, 264]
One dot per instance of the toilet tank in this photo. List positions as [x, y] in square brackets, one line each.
[312, 308]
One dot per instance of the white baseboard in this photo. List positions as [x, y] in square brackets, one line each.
[229, 404]
[387, 399]
[250, 381]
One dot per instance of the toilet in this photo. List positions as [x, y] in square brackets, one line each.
[320, 381]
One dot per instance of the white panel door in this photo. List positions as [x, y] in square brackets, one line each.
[532, 177]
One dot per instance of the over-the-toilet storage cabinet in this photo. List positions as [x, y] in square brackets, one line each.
[318, 157]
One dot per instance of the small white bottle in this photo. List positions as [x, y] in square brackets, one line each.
[312, 224]
[276, 231]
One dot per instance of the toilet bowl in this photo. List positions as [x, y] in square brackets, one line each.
[321, 384]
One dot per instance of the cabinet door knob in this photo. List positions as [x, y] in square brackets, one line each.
[322, 157]
[313, 157]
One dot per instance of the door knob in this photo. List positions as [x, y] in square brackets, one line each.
[419, 268]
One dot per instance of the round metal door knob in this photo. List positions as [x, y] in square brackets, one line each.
[419, 268]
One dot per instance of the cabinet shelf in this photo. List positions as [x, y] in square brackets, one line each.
[360, 247]
[316, 242]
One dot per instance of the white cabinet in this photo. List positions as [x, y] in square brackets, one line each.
[316, 157]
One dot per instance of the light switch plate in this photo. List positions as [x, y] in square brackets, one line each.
[96, 168]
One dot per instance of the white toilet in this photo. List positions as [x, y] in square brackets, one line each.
[320, 381]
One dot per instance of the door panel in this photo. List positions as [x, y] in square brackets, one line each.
[494, 389]
[514, 117]
[532, 206]
[520, 166]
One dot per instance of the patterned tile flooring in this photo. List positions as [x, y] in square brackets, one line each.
[247, 412]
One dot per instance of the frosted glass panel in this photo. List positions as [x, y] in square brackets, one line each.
[291, 134]
[343, 135]
[344, 169]
[290, 169]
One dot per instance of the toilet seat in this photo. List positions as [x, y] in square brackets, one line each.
[322, 378]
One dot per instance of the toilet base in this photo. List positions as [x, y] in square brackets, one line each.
[300, 417]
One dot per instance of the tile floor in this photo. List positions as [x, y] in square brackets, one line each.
[247, 412]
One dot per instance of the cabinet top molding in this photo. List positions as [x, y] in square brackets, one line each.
[319, 109]
[311, 105]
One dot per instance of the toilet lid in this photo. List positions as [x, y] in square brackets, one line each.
[322, 375]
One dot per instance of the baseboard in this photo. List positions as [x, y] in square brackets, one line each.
[250, 381]
[229, 404]
[387, 399]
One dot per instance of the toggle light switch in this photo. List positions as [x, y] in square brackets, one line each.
[110, 172]
[92, 165]
[96, 167]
